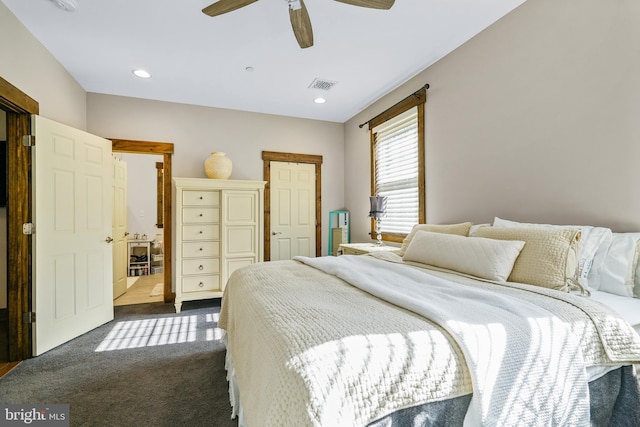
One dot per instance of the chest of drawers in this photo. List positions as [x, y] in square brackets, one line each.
[219, 229]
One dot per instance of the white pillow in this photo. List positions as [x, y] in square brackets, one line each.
[489, 259]
[618, 274]
[590, 260]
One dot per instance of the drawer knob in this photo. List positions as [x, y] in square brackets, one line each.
[201, 267]
[200, 214]
[201, 197]
[201, 249]
[201, 284]
[201, 231]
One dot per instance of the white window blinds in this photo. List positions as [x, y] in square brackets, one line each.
[397, 171]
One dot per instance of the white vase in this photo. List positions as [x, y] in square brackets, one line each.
[218, 166]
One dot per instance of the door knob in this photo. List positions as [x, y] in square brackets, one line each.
[275, 233]
[108, 239]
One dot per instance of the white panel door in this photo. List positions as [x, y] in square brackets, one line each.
[293, 210]
[72, 258]
[119, 227]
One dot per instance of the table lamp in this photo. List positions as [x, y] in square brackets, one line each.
[377, 212]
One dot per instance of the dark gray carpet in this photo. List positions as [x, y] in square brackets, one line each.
[167, 384]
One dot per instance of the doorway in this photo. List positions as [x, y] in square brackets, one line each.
[143, 251]
[164, 149]
[270, 156]
[4, 322]
[18, 108]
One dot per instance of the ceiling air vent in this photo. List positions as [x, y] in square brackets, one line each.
[321, 84]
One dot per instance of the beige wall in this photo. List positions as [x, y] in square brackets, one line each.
[197, 131]
[27, 65]
[534, 119]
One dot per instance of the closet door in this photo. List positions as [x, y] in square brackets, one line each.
[293, 210]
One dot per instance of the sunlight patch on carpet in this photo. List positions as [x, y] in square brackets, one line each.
[159, 331]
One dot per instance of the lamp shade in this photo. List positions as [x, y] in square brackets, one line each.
[378, 206]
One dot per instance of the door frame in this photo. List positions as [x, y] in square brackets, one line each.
[18, 107]
[164, 149]
[273, 156]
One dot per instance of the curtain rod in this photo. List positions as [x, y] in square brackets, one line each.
[416, 93]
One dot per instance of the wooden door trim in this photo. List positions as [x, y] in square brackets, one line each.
[166, 150]
[18, 107]
[14, 100]
[272, 156]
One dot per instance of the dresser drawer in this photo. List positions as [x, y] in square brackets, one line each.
[200, 249]
[200, 266]
[200, 215]
[201, 283]
[201, 232]
[200, 198]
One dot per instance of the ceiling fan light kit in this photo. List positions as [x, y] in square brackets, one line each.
[298, 15]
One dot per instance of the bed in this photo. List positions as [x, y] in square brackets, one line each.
[402, 338]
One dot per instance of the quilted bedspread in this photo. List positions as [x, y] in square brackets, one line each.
[310, 349]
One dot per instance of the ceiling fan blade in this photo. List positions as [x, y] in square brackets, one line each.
[372, 4]
[301, 24]
[224, 6]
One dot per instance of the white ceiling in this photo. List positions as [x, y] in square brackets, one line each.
[202, 60]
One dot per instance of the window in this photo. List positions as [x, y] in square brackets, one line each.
[397, 165]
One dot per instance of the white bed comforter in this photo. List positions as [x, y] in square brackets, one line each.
[518, 353]
[527, 371]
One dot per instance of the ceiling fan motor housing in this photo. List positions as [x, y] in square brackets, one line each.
[68, 5]
[294, 4]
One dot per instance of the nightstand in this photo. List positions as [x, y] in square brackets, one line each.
[362, 248]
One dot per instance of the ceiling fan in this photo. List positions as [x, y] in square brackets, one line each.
[298, 14]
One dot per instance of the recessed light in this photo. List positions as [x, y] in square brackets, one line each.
[143, 74]
[319, 100]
